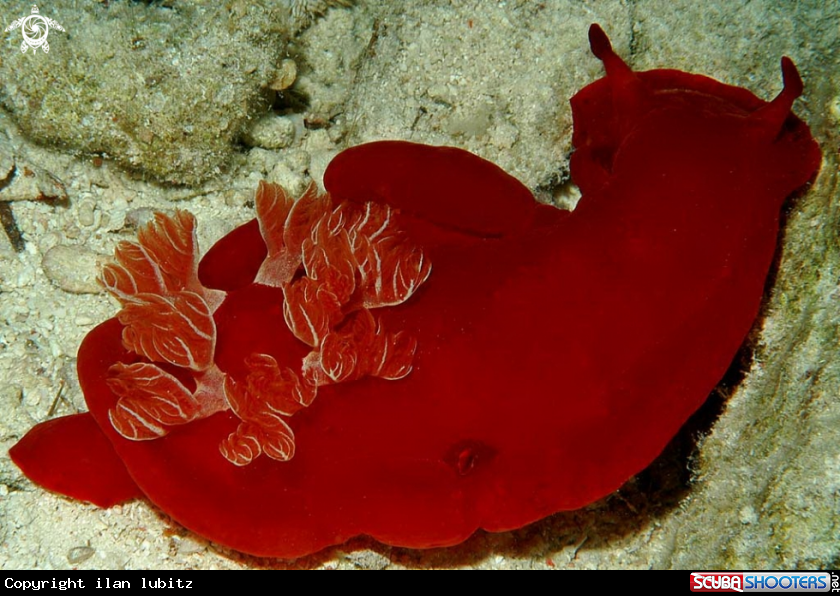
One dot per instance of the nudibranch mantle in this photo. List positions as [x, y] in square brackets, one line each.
[425, 350]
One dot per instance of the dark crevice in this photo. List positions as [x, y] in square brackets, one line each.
[7, 219]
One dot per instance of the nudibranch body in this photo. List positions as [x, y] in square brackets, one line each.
[425, 350]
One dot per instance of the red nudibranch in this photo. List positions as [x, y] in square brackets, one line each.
[425, 350]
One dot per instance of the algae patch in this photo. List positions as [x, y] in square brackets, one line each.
[163, 89]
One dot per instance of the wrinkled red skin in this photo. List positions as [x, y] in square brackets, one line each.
[558, 353]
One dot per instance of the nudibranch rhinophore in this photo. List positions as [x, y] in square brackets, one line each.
[424, 350]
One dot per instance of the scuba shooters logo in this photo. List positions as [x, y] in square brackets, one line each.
[769, 581]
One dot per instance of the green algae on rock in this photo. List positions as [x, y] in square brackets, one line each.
[164, 90]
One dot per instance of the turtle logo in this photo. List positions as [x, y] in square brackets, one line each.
[35, 30]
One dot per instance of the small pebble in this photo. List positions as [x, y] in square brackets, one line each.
[79, 554]
[270, 132]
[368, 559]
[139, 217]
[71, 231]
[74, 269]
[86, 213]
[286, 75]
[188, 546]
